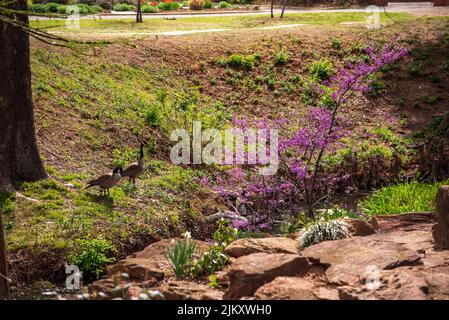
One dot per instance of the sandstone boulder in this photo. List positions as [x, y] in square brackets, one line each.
[295, 288]
[348, 259]
[359, 227]
[243, 247]
[185, 290]
[248, 273]
[440, 230]
[398, 284]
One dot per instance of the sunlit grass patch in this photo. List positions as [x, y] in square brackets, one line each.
[402, 198]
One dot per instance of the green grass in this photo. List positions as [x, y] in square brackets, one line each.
[402, 198]
[128, 25]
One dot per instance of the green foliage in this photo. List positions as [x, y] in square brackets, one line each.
[321, 69]
[152, 116]
[168, 6]
[224, 4]
[208, 4]
[181, 256]
[37, 8]
[122, 157]
[92, 255]
[414, 69]
[324, 231]
[281, 57]
[241, 61]
[401, 198]
[377, 88]
[149, 9]
[51, 7]
[215, 258]
[336, 43]
[7, 203]
[124, 7]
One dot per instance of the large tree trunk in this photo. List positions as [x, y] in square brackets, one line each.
[19, 156]
[3, 265]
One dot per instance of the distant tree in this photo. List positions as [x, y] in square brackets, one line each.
[283, 8]
[272, 8]
[139, 12]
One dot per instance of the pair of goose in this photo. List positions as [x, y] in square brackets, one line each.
[108, 181]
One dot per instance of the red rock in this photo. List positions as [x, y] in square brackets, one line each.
[440, 230]
[248, 273]
[243, 247]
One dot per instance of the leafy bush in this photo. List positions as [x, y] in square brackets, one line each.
[51, 7]
[62, 9]
[336, 43]
[377, 88]
[92, 255]
[224, 4]
[185, 3]
[37, 8]
[181, 256]
[401, 198]
[321, 69]
[124, 7]
[281, 57]
[149, 9]
[324, 231]
[240, 61]
[207, 4]
[196, 4]
[215, 258]
[152, 117]
[168, 5]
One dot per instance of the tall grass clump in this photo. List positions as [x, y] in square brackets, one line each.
[401, 198]
[324, 231]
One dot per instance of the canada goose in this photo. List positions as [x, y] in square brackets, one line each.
[135, 170]
[107, 181]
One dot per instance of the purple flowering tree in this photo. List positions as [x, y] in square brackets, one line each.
[302, 148]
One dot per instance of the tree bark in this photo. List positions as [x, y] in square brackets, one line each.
[4, 290]
[283, 8]
[272, 5]
[139, 12]
[19, 156]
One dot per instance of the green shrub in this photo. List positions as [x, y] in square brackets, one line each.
[224, 4]
[321, 69]
[336, 43]
[51, 7]
[185, 3]
[168, 6]
[152, 117]
[377, 88]
[215, 258]
[324, 231]
[149, 9]
[207, 4]
[92, 255]
[402, 198]
[181, 256]
[414, 69]
[240, 61]
[37, 8]
[281, 57]
[124, 7]
[62, 9]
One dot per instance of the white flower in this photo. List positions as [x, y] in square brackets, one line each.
[187, 235]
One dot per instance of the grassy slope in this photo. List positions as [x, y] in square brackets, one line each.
[91, 108]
